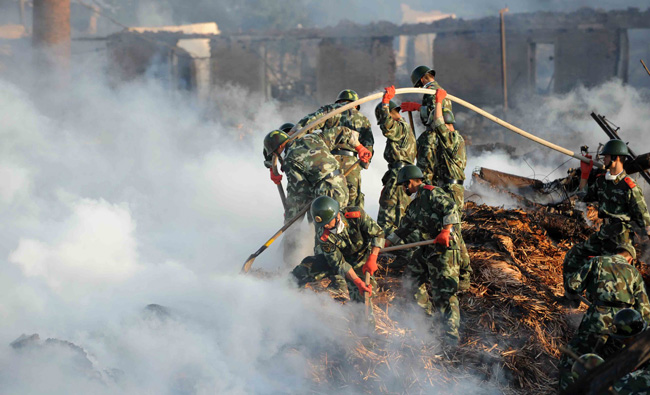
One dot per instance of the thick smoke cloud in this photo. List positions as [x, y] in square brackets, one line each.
[115, 198]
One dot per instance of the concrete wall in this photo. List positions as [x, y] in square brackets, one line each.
[469, 65]
[587, 57]
[362, 64]
[239, 62]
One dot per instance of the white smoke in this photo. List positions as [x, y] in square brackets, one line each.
[115, 198]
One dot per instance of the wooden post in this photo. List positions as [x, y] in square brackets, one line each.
[504, 74]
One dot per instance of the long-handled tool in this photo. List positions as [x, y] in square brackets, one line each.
[405, 246]
[366, 295]
[411, 122]
[251, 259]
[462, 102]
[274, 168]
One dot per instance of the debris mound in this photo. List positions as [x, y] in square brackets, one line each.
[512, 320]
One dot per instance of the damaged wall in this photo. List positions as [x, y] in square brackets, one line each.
[586, 47]
[362, 64]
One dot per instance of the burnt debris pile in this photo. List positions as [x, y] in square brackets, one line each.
[513, 321]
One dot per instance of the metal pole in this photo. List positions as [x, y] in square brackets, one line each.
[504, 74]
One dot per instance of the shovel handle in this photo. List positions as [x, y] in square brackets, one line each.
[366, 295]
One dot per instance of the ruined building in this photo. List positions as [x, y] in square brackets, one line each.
[546, 52]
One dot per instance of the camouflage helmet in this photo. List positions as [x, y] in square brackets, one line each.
[323, 210]
[627, 247]
[348, 95]
[628, 323]
[409, 172]
[418, 73]
[615, 147]
[448, 115]
[585, 363]
[286, 127]
[273, 140]
[379, 113]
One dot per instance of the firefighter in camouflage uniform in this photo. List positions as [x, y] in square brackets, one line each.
[400, 151]
[611, 284]
[432, 214]
[620, 202]
[424, 77]
[345, 153]
[350, 241]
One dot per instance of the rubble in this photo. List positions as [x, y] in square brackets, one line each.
[512, 321]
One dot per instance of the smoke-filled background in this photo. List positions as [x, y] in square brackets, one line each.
[116, 197]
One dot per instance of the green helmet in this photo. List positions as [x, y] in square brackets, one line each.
[409, 172]
[615, 147]
[274, 139]
[379, 113]
[627, 247]
[418, 73]
[286, 127]
[448, 115]
[585, 363]
[627, 323]
[348, 95]
[323, 210]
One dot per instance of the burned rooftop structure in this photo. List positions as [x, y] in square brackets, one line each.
[547, 52]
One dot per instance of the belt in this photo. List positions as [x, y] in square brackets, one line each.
[450, 181]
[343, 152]
[618, 305]
[396, 165]
[331, 175]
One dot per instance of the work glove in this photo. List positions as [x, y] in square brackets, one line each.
[362, 286]
[440, 95]
[585, 168]
[410, 106]
[389, 94]
[363, 152]
[275, 178]
[370, 265]
[443, 237]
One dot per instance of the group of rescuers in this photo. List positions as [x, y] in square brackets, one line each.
[321, 169]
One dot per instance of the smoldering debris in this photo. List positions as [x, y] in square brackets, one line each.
[528, 192]
[512, 320]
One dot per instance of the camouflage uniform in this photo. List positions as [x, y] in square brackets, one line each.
[634, 383]
[611, 284]
[427, 142]
[619, 203]
[311, 171]
[400, 151]
[346, 250]
[449, 174]
[345, 153]
[434, 265]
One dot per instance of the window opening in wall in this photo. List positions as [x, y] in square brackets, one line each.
[639, 47]
[544, 68]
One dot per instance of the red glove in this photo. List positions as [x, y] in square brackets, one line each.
[364, 154]
[440, 95]
[275, 178]
[362, 286]
[410, 106]
[389, 94]
[371, 265]
[443, 237]
[585, 168]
